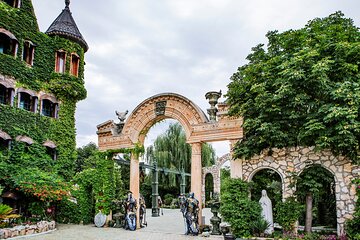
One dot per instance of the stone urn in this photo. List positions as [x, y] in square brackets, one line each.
[215, 220]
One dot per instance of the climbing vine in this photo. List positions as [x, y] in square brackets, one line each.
[30, 169]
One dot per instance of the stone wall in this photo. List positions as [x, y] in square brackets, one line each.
[22, 230]
[215, 172]
[287, 162]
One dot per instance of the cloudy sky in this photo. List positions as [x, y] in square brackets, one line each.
[139, 48]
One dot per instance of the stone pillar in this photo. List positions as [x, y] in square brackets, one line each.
[196, 176]
[134, 183]
[217, 183]
[235, 165]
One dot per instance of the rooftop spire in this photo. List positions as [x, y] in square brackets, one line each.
[65, 26]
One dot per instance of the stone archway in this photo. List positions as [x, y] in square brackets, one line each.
[215, 171]
[197, 126]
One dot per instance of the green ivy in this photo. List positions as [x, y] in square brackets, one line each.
[68, 89]
[98, 187]
[353, 226]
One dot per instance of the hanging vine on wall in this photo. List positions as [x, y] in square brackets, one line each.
[27, 159]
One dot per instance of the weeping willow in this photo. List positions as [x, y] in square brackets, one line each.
[171, 151]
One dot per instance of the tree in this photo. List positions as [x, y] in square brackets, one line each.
[83, 155]
[316, 187]
[170, 150]
[207, 155]
[303, 90]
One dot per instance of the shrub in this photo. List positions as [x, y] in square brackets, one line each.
[237, 208]
[168, 199]
[68, 212]
[287, 213]
[353, 226]
[259, 226]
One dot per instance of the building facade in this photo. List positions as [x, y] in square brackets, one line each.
[41, 80]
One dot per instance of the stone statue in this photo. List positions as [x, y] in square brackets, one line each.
[267, 211]
[130, 217]
[121, 115]
[182, 203]
[142, 214]
[192, 215]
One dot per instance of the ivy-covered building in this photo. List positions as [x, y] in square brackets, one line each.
[41, 80]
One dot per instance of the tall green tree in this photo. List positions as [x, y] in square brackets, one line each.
[316, 188]
[84, 156]
[303, 90]
[171, 151]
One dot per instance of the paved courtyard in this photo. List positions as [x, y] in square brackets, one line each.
[169, 226]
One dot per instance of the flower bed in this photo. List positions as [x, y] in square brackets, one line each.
[21, 230]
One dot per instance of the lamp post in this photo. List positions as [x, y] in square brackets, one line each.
[155, 190]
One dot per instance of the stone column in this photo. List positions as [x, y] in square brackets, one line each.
[134, 183]
[196, 176]
[235, 165]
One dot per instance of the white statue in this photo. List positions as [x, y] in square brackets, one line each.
[267, 212]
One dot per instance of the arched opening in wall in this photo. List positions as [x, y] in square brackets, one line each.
[222, 161]
[48, 108]
[165, 145]
[269, 180]
[13, 3]
[8, 43]
[27, 101]
[315, 189]
[5, 141]
[5, 95]
[209, 187]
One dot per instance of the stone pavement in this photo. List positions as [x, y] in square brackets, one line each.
[169, 226]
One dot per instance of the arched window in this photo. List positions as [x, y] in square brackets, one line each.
[13, 3]
[7, 90]
[28, 52]
[27, 100]
[74, 68]
[48, 108]
[50, 149]
[4, 141]
[8, 43]
[60, 61]
[3, 94]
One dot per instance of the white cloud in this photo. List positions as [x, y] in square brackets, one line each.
[140, 48]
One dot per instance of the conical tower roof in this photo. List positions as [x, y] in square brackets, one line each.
[65, 26]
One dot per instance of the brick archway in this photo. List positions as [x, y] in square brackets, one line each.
[198, 129]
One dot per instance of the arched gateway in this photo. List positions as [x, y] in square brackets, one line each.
[198, 129]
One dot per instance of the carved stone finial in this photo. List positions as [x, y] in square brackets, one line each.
[67, 3]
[213, 98]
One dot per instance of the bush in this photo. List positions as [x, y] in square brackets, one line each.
[68, 212]
[237, 208]
[259, 226]
[287, 213]
[168, 199]
[353, 226]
